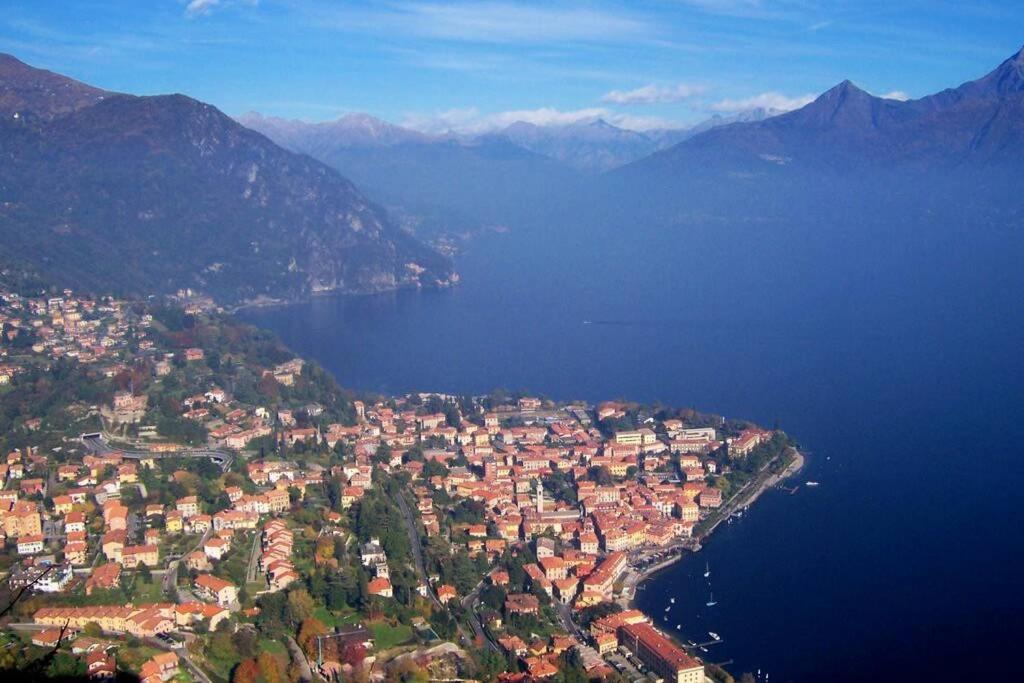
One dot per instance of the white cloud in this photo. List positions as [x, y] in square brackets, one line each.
[766, 100]
[896, 95]
[471, 121]
[196, 8]
[651, 94]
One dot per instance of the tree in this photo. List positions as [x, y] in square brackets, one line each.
[247, 671]
[270, 668]
[246, 642]
[309, 631]
[300, 606]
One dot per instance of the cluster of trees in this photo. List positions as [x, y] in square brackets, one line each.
[50, 394]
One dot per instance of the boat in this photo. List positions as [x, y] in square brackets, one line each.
[703, 649]
[714, 636]
[711, 601]
[668, 608]
[707, 570]
[679, 627]
[672, 600]
[812, 483]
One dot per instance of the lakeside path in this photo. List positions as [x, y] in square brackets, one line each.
[633, 578]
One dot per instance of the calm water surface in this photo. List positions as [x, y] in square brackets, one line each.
[895, 361]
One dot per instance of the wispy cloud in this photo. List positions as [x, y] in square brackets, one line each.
[471, 121]
[653, 94]
[490, 22]
[765, 100]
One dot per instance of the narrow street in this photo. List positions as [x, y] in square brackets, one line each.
[417, 549]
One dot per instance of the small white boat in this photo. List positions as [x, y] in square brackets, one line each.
[668, 608]
[812, 483]
[707, 570]
[672, 600]
[714, 636]
[679, 627]
[711, 601]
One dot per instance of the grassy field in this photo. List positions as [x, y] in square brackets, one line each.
[274, 647]
[152, 591]
[386, 636]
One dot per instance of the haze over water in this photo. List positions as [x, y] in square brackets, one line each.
[893, 355]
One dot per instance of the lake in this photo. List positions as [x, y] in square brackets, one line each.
[894, 357]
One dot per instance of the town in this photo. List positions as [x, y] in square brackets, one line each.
[185, 499]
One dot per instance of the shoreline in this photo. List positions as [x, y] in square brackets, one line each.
[634, 581]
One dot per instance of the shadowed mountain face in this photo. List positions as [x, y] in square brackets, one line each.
[25, 91]
[150, 194]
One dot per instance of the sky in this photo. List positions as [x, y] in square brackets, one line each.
[437, 65]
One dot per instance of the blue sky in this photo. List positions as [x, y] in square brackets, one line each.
[437, 64]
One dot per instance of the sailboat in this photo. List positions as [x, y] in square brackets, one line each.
[672, 600]
[711, 601]
[707, 570]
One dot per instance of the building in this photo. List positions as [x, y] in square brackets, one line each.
[210, 587]
[103, 577]
[660, 654]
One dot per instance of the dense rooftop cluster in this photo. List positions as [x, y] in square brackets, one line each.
[222, 493]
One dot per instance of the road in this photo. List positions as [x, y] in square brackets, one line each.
[306, 673]
[99, 445]
[421, 569]
[170, 582]
[417, 548]
[254, 557]
[469, 603]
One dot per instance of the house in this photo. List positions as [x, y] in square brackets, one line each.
[521, 603]
[380, 586]
[100, 666]
[104, 577]
[47, 638]
[30, 545]
[446, 592]
[210, 587]
[55, 580]
[216, 548]
[187, 506]
[133, 556]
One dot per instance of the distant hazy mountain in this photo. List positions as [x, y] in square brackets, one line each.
[351, 130]
[846, 128]
[149, 194]
[444, 184]
[588, 145]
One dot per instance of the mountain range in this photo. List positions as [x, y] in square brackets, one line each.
[978, 124]
[591, 144]
[151, 194]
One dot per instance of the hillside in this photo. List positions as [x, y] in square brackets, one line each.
[151, 194]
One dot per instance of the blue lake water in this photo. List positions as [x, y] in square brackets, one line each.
[895, 359]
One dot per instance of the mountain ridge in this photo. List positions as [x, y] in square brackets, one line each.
[163, 192]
